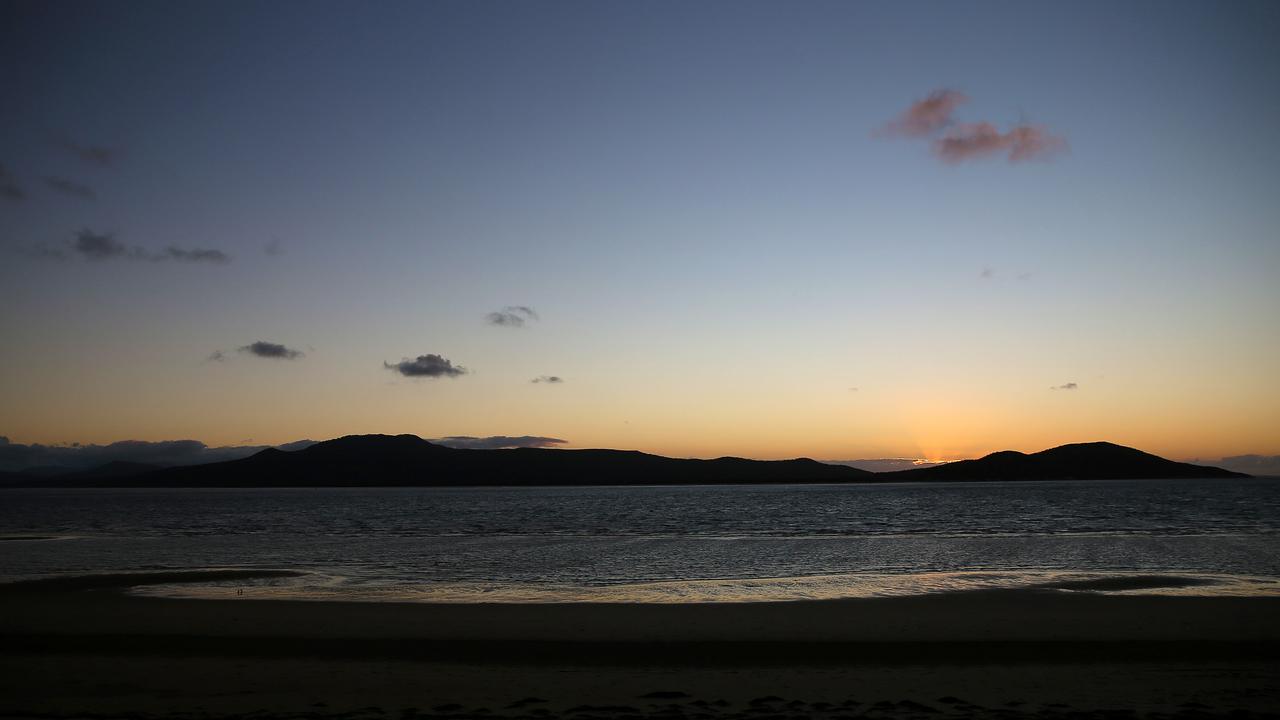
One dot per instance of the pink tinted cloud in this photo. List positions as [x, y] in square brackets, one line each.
[926, 116]
[1032, 142]
[976, 140]
[957, 142]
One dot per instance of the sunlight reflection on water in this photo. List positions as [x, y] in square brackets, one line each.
[822, 587]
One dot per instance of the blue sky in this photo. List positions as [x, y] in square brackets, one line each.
[695, 198]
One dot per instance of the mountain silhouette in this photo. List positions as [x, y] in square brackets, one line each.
[113, 469]
[408, 460]
[1080, 461]
[57, 476]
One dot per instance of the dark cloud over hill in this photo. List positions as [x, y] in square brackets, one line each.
[165, 453]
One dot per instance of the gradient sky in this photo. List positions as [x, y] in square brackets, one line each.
[699, 200]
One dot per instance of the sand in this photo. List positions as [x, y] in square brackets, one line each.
[67, 650]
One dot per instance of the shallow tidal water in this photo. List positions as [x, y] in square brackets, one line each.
[660, 544]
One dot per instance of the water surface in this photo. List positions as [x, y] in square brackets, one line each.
[662, 543]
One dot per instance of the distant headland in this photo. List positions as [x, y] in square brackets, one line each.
[410, 461]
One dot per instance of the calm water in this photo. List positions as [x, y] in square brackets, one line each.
[655, 543]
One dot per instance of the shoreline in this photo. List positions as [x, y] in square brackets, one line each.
[91, 606]
[321, 585]
[1003, 655]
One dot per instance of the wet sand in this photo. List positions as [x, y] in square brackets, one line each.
[67, 650]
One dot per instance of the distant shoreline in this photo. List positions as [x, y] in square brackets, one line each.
[410, 461]
[653, 484]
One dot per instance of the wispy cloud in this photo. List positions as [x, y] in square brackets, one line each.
[274, 351]
[98, 246]
[976, 140]
[886, 464]
[9, 188]
[429, 365]
[926, 116]
[549, 379]
[497, 442]
[216, 356]
[97, 155]
[102, 246]
[70, 187]
[42, 251]
[193, 255]
[1251, 464]
[959, 142]
[512, 316]
[164, 453]
[1066, 386]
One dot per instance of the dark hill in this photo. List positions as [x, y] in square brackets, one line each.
[45, 471]
[114, 469]
[1081, 461]
[100, 475]
[407, 460]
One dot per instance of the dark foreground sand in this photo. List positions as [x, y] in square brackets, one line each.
[69, 651]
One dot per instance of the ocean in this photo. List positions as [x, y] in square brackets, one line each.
[658, 544]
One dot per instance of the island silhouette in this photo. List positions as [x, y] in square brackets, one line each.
[410, 461]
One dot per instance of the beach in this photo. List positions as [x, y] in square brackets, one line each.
[713, 360]
[84, 646]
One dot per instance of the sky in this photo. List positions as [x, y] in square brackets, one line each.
[780, 229]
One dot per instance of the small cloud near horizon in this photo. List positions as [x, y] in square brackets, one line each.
[15, 457]
[887, 464]
[1065, 386]
[1249, 464]
[429, 365]
[273, 351]
[497, 442]
[512, 316]
[549, 379]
